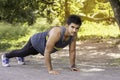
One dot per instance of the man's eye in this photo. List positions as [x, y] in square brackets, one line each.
[77, 28]
[72, 26]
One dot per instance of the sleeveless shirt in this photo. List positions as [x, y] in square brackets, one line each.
[39, 41]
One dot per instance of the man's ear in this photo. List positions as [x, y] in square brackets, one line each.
[66, 25]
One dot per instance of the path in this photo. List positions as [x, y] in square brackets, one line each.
[97, 61]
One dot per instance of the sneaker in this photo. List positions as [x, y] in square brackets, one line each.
[5, 61]
[20, 60]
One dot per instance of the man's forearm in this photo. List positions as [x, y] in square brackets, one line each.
[72, 59]
[48, 61]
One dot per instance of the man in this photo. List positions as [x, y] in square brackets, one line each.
[49, 42]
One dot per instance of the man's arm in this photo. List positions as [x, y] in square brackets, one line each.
[72, 54]
[54, 36]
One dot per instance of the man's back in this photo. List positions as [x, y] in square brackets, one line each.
[39, 41]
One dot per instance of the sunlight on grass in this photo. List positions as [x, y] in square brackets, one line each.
[92, 30]
[16, 36]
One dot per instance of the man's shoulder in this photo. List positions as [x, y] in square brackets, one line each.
[55, 30]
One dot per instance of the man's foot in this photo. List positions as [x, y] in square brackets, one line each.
[5, 61]
[20, 60]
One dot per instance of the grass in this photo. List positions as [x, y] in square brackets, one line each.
[95, 30]
[12, 37]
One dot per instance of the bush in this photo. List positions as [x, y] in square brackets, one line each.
[10, 32]
[15, 36]
[4, 45]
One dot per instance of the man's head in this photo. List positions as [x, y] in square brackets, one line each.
[73, 24]
[74, 19]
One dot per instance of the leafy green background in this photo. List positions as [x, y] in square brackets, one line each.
[20, 19]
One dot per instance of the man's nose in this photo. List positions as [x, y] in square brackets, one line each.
[74, 30]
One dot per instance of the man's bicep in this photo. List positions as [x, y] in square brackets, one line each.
[49, 45]
[52, 39]
[54, 36]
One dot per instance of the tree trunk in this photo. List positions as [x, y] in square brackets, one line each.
[116, 9]
[67, 9]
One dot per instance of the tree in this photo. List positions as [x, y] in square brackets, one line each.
[18, 10]
[116, 8]
[23, 10]
[67, 9]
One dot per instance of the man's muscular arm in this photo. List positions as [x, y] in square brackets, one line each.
[54, 36]
[72, 54]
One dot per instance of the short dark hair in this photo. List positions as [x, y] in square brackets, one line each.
[74, 19]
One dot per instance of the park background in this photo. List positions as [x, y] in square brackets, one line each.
[20, 19]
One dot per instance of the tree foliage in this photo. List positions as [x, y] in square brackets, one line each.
[18, 10]
[14, 11]
[38, 11]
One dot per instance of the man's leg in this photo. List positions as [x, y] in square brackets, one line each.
[20, 54]
[25, 51]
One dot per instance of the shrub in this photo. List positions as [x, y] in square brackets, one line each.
[10, 32]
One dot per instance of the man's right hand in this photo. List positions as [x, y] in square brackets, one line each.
[53, 72]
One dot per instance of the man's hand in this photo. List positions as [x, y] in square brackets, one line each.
[53, 72]
[75, 69]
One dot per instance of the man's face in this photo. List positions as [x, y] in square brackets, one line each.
[73, 29]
